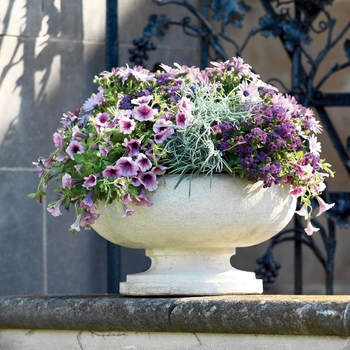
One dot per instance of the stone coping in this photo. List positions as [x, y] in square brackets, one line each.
[235, 314]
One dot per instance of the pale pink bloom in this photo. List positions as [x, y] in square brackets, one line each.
[90, 181]
[242, 69]
[303, 211]
[318, 188]
[143, 113]
[58, 140]
[304, 171]
[112, 171]
[101, 121]
[127, 166]
[67, 181]
[142, 74]
[297, 191]
[127, 211]
[183, 119]
[185, 104]
[54, 210]
[149, 180]
[143, 162]
[75, 226]
[310, 229]
[88, 219]
[61, 158]
[143, 100]
[124, 73]
[323, 206]
[75, 147]
[126, 125]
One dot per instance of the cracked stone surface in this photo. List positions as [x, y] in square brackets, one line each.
[249, 314]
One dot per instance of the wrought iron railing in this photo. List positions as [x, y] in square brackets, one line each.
[293, 22]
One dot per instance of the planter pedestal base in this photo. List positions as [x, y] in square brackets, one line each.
[191, 272]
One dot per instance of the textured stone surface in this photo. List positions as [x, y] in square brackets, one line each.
[273, 315]
[84, 340]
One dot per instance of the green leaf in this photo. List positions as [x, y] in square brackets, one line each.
[79, 158]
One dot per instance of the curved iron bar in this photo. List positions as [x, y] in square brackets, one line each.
[294, 34]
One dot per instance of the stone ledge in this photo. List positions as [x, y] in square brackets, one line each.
[249, 314]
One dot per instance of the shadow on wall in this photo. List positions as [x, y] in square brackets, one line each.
[42, 63]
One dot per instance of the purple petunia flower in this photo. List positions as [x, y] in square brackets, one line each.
[112, 171]
[88, 219]
[149, 180]
[127, 166]
[88, 203]
[90, 181]
[75, 147]
[143, 162]
[134, 147]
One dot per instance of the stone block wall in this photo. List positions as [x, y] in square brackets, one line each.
[50, 51]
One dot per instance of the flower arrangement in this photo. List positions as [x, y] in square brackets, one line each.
[181, 120]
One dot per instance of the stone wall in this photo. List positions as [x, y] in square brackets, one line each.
[50, 51]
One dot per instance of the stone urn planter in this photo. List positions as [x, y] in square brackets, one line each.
[191, 232]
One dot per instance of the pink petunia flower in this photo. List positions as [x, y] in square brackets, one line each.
[183, 119]
[58, 140]
[126, 125]
[143, 113]
[54, 210]
[323, 206]
[297, 191]
[310, 229]
[143, 100]
[303, 211]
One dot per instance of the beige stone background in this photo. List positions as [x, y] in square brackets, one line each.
[49, 52]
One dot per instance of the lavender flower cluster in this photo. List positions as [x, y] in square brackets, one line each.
[115, 146]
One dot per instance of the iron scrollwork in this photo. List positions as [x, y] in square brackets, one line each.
[294, 22]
